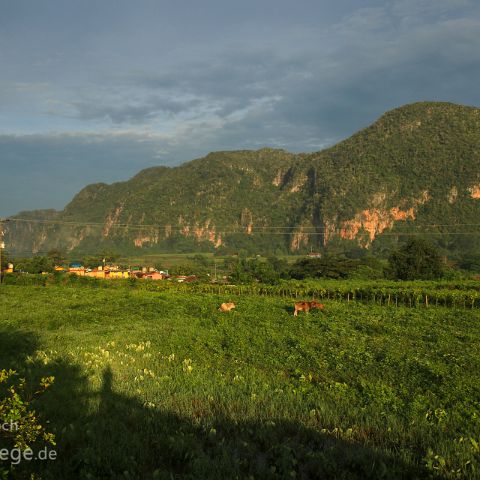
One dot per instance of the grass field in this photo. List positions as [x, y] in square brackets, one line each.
[162, 385]
[168, 260]
[173, 260]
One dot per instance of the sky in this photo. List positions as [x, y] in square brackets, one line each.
[95, 91]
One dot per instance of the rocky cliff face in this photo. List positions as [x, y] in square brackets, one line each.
[418, 165]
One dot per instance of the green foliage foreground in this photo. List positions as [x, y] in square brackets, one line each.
[20, 431]
[162, 385]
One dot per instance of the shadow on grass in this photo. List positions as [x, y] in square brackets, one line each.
[290, 309]
[106, 435]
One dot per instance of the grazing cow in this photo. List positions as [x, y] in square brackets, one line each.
[307, 306]
[226, 307]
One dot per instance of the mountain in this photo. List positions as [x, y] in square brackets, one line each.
[416, 170]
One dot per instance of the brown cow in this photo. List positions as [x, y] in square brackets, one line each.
[307, 306]
[226, 307]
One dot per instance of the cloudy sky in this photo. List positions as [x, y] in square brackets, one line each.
[94, 91]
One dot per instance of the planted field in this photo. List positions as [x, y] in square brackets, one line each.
[158, 384]
[463, 294]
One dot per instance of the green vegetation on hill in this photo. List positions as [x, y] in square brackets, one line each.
[414, 171]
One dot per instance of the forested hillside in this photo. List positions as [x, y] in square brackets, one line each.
[414, 171]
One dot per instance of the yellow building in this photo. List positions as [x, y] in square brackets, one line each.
[96, 274]
[77, 271]
[117, 275]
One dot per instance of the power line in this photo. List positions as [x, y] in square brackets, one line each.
[259, 229]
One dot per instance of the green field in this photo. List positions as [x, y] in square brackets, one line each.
[160, 384]
[173, 260]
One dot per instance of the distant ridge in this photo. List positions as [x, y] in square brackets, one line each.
[416, 167]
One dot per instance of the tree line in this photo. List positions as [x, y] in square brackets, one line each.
[417, 259]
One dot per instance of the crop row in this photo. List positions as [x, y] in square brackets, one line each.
[380, 295]
[460, 294]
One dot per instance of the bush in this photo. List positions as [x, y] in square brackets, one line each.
[326, 267]
[24, 429]
[24, 279]
[244, 270]
[416, 260]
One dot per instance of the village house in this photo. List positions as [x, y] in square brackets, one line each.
[77, 269]
[116, 274]
[115, 271]
[155, 276]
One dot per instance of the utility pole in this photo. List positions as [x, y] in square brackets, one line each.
[2, 245]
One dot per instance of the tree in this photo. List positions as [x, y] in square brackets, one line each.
[56, 256]
[244, 270]
[109, 256]
[40, 264]
[326, 267]
[91, 261]
[470, 262]
[36, 264]
[279, 265]
[417, 259]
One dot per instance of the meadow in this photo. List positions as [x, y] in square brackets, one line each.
[154, 383]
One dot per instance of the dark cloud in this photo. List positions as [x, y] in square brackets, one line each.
[131, 113]
[40, 171]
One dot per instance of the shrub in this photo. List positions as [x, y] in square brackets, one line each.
[416, 260]
[24, 428]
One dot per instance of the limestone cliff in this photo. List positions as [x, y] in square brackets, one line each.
[416, 168]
